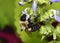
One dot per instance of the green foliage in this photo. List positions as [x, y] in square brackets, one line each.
[7, 8]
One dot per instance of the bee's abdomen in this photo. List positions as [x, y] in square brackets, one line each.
[34, 27]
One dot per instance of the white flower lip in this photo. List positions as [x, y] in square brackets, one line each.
[21, 3]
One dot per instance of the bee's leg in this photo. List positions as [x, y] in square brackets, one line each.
[21, 29]
[23, 17]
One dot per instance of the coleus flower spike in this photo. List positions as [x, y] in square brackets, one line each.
[54, 0]
[57, 18]
[34, 6]
[55, 13]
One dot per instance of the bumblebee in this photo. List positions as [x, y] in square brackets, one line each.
[28, 24]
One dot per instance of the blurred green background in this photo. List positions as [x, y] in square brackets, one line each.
[7, 13]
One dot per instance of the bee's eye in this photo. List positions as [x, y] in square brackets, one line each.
[23, 17]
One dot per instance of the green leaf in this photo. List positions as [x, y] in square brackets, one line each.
[58, 30]
[56, 6]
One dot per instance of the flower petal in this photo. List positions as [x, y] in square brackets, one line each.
[57, 18]
[54, 0]
[23, 12]
[34, 6]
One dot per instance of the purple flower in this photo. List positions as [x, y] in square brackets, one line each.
[57, 18]
[54, 0]
[23, 12]
[47, 19]
[34, 6]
